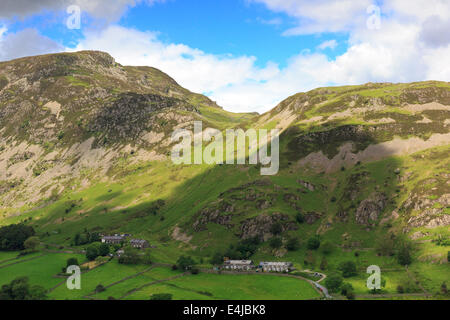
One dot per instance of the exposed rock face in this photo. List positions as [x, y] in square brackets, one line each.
[312, 217]
[370, 209]
[307, 185]
[263, 204]
[430, 218]
[211, 215]
[261, 225]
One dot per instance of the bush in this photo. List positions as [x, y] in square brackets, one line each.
[100, 288]
[346, 288]
[103, 249]
[31, 243]
[300, 218]
[130, 255]
[400, 289]
[185, 263]
[323, 264]
[195, 271]
[161, 296]
[216, 259]
[72, 262]
[276, 243]
[293, 244]
[404, 254]
[333, 282]
[348, 269]
[92, 252]
[327, 247]
[276, 228]
[313, 243]
[13, 237]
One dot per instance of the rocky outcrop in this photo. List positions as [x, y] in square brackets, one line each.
[261, 225]
[312, 217]
[370, 209]
[307, 185]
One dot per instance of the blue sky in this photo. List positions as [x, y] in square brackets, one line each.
[246, 54]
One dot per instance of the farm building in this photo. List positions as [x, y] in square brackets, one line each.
[276, 266]
[238, 265]
[139, 243]
[115, 239]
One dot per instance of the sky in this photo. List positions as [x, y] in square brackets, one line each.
[248, 55]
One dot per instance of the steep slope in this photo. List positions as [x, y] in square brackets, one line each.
[61, 114]
[84, 148]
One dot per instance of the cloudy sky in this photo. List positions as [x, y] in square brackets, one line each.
[247, 55]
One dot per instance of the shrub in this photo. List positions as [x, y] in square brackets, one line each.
[327, 247]
[292, 244]
[346, 288]
[348, 269]
[300, 218]
[100, 288]
[92, 252]
[31, 243]
[103, 249]
[130, 255]
[313, 243]
[161, 296]
[185, 263]
[72, 262]
[276, 243]
[333, 282]
[20, 289]
[276, 228]
[404, 254]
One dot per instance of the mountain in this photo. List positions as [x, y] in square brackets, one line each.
[85, 145]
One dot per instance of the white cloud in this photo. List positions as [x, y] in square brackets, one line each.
[104, 9]
[331, 44]
[27, 42]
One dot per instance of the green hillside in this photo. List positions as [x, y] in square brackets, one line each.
[85, 147]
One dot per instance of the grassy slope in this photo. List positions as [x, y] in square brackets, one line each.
[122, 206]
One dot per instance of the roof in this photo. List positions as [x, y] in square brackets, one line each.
[239, 262]
[275, 264]
[138, 241]
[112, 237]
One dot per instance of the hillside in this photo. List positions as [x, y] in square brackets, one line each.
[85, 146]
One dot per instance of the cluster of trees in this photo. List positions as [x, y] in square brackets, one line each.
[97, 250]
[132, 255]
[390, 246]
[20, 289]
[85, 238]
[13, 237]
[186, 263]
[335, 283]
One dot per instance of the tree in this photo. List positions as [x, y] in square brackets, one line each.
[327, 247]
[333, 282]
[161, 296]
[404, 254]
[12, 237]
[31, 243]
[72, 262]
[185, 263]
[146, 258]
[348, 269]
[323, 264]
[103, 249]
[300, 218]
[444, 289]
[276, 228]
[292, 244]
[130, 255]
[92, 252]
[276, 243]
[20, 289]
[385, 246]
[347, 290]
[216, 259]
[313, 243]
[100, 288]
